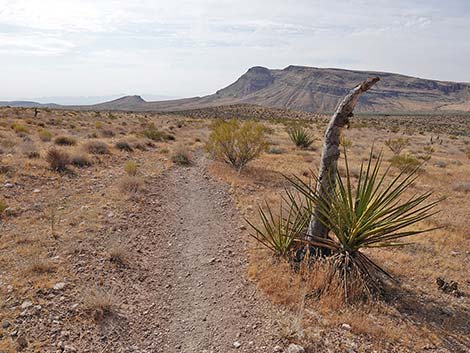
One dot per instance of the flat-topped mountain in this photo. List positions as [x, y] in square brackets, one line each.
[314, 89]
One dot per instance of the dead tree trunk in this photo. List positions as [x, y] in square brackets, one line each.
[331, 152]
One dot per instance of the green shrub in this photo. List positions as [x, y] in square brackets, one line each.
[237, 143]
[45, 135]
[131, 168]
[20, 128]
[65, 141]
[97, 147]
[152, 133]
[301, 137]
[58, 160]
[406, 162]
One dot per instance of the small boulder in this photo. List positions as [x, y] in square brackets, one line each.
[295, 348]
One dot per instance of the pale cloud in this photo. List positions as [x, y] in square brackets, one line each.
[189, 47]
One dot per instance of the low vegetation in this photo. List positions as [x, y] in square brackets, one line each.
[237, 143]
[301, 137]
[97, 147]
[397, 145]
[131, 168]
[58, 160]
[65, 141]
[181, 157]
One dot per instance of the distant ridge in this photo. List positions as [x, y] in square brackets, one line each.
[308, 89]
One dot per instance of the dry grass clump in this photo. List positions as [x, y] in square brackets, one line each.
[65, 141]
[108, 133]
[181, 157]
[131, 184]
[118, 253]
[97, 147]
[45, 135]
[39, 265]
[30, 150]
[131, 168]
[3, 206]
[124, 146]
[81, 161]
[58, 160]
[99, 302]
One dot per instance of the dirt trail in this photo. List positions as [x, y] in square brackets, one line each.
[188, 292]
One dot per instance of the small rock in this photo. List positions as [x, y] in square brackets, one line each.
[277, 349]
[26, 304]
[59, 286]
[237, 344]
[295, 348]
[5, 324]
[22, 343]
[36, 191]
[346, 326]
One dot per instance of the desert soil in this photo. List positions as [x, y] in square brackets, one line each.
[184, 289]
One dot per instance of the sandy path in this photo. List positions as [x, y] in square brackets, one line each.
[186, 290]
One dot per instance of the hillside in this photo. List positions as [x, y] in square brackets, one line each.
[311, 89]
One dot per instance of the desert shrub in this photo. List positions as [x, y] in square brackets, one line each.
[131, 184]
[376, 212]
[440, 164]
[81, 161]
[301, 137]
[462, 187]
[237, 143]
[3, 206]
[45, 135]
[108, 133]
[131, 168]
[58, 160]
[152, 133]
[20, 128]
[30, 150]
[397, 145]
[40, 265]
[406, 162]
[181, 157]
[124, 146]
[97, 147]
[276, 150]
[99, 124]
[118, 253]
[65, 141]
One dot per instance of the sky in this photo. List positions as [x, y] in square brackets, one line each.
[188, 48]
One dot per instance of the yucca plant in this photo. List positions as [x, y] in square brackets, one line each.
[301, 137]
[281, 231]
[376, 213]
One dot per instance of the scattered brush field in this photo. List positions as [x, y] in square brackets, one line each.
[66, 175]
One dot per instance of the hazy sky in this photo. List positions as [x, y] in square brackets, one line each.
[186, 48]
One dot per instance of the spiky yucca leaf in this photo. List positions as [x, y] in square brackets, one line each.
[374, 214]
[280, 231]
[301, 137]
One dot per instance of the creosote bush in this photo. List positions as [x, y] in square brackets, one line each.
[58, 160]
[237, 143]
[301, 137]
[65, 141]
